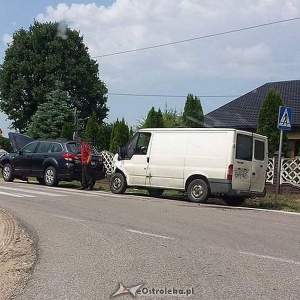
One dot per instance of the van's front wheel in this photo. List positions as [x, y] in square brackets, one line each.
[198, 191]
[118, 183]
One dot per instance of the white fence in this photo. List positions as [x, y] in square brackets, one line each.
[290, 169]
[108, 161]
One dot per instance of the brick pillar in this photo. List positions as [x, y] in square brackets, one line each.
[276, 158]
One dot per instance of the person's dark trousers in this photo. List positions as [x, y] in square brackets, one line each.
[87, 176]
[83, 178]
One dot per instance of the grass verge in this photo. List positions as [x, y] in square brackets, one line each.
[285, 201]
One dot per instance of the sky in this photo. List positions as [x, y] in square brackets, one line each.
[202, 47]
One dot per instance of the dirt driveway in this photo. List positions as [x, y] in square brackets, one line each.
[17, 256]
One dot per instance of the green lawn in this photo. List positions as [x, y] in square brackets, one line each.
[285, 201]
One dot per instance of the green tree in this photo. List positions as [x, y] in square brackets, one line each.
[171, 118]
[267, 121]
[119, 135]
[35, 60]
[94, 133]
[154, 119]
[107, 133]
[193, 113]
[5, 144]
[102, 138]
[50, 116]
[67, 131]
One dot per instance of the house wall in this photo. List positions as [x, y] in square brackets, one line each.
[293, 135]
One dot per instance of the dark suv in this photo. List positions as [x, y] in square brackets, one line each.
[49, 160]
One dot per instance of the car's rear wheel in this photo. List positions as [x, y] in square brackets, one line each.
[7, 173]
[118, 183]
[50, 176]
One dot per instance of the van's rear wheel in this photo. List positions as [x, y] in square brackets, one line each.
[198, 191]
[155, 192]
[118, 183]
[234, 201]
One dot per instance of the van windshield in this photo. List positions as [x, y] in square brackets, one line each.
[138, 145]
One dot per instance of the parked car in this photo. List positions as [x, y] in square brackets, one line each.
[2, 152]
[49, 160]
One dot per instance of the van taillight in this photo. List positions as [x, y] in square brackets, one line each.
[230, 172]
[69, 156]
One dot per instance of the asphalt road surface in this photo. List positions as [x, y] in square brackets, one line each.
[90, 242]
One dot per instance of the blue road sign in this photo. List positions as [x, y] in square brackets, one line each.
[284, 118]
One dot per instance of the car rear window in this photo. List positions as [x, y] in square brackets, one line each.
[73, 147]
[55, 147]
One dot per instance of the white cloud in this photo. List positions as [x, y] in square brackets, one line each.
[6, 39]
[254, 55]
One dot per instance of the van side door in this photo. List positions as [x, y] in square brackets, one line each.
[167, 160]
[259, 164]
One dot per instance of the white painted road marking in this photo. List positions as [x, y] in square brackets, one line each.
[150, 234]
[31, 191]
[68, 218]
[273, 258]
[16, 195]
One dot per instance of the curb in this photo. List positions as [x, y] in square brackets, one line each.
[7, 231]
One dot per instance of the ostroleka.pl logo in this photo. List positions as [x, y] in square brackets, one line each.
[140, 290]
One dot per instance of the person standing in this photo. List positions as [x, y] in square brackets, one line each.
[87, 180]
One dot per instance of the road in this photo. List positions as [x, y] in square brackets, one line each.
[90, 242]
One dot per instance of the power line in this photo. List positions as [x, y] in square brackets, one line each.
[198, 38]
[172, 96]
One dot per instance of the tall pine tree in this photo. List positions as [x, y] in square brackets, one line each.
[193, 113]
[267, 121]
[119, 135]
[154, 119]
[50, 116]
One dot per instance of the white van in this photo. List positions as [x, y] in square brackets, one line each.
[204, 162]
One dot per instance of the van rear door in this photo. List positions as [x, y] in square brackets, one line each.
[250, 163]
[242, 163]
[259, 164]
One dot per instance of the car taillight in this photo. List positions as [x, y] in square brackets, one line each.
[69, 156]
[101, 159]
[230, 172]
